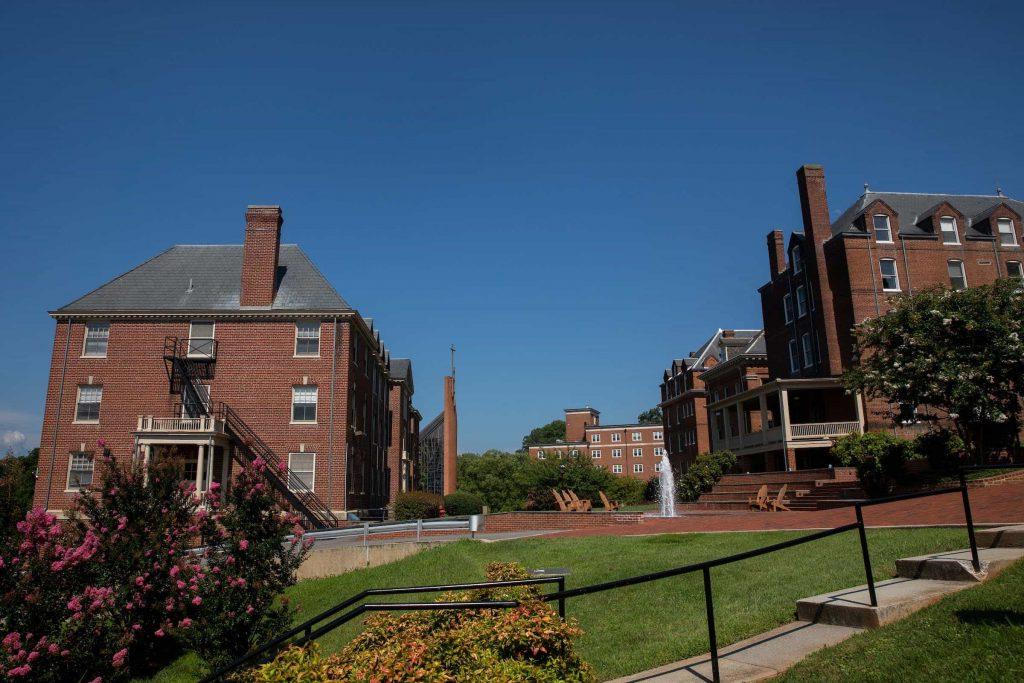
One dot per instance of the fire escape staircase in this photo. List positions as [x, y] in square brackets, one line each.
[188, 362]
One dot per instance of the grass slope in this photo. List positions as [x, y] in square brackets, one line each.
[631, 629]
[973, 635]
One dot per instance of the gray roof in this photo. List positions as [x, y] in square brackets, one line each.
[208, 277]
[757, 347]
[399, 368]
[913, 208]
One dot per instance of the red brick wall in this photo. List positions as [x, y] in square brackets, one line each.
[647, 444]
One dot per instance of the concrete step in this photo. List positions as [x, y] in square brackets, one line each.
[1001, 537]
[957, 566]
[896, 599]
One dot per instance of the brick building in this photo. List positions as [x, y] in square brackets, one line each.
[835, 274]
[219, 354]
[684, 395]
[405, 428]
[623, 449]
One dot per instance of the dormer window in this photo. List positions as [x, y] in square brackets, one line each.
[883, 232]
[947, 225]
[1007, 237]
[794, 258]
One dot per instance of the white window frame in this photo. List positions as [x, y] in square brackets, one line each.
[616, 437]
[191, 352]
[574, 452]
[659, 451]
[963, 273]
[595, 438]
[637, 436]
[638, 468]
[659, 436]
[616, 452]
[796, 257]
[99, 404]
[91, 469]
[895, 274]
[801, 301]
[204, 398]
[303, 388]
[1012, 234]
[298, 336]
[596, 454]
[638, 452]
[541, 456]
[616, 469]
[1019, 267]
[657, 467]
[805, 342]
[787, 307]
[96, 324]
[887, 228]
[943, 233]
[794, 361]
[311, 472]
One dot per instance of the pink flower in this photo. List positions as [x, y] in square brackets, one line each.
[197, 601]
[32, 656]
[174, 570]
[214, 485]
[75, 604]
[101, 443]
[159, 633]
[250, 609]
[136, 627]
[119, 658]
[23, 670]
[243, 544]
[185, 623]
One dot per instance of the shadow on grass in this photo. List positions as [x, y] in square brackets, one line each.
[991, 617]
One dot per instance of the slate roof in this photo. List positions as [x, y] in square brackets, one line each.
[208, 278]
[913, 208]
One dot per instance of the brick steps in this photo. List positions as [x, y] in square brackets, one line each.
[806, 490]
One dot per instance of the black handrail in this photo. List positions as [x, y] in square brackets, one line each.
[307, 629]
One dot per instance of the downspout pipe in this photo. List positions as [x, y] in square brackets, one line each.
[56, 423]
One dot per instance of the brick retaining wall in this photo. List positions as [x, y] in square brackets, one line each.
[529, 521]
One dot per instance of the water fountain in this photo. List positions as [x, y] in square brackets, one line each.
[667, 490]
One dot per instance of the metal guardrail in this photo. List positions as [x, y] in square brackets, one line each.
[367, 530]
[562, 594]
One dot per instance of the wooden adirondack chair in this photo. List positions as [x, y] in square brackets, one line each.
[561, 503]
[581, 505]
[780, 500]
[761, 501]
[609, 505]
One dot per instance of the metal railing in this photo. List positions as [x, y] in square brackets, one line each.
[704, 568]
[365, 531]
[309, 629]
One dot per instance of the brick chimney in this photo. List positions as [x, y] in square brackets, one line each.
[817, 230]
[577, 420]
[259, 256]
[776, 252]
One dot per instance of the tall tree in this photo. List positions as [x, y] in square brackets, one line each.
[17, 483]
[549, 433]
[650, 417]
[960, 352]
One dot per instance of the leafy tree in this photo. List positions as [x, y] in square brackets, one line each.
[880, 459]
[549, 433]
[17, 484]
[650, 417]
[500, 478]
[960, 352]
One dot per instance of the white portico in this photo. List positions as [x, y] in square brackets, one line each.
[201, 443]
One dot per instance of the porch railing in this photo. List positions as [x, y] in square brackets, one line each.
[204, 424]
[824, 429]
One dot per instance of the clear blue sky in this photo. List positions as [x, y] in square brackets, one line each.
[572, 193]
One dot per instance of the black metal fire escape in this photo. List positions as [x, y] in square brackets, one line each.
[188, 362]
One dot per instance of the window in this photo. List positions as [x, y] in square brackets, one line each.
[657, 467]
[957, 277]
[595, 454]
[948, 226]
[658, 436]
[80, 467]
[908, 414]
[638, 467]
[659, 451]
[637, 436]
[541, 456]
[595, 438]
[87, 408]
[883, 233]
[96, 336]
[1015, 271]
[616, 437]
[1007, 237]
[307, 338]
[801, 301]
[574, 452]
[795, 258]
[304, 403]
[188, 401]
[200, 339]
[616, 452]
[301, 468]
[638, 452]
[787, 307]
[616, 469]
[794, 362]
[890, 278]
[808, 353]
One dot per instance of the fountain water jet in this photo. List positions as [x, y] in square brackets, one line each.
[667, 490]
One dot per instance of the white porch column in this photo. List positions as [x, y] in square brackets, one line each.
[786, 435]
[858, 403]
[763, 405]
[199, 467]
[224, 472]
[147, 456]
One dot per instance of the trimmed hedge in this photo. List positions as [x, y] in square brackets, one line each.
[417, 505]
[462, 503]
[701, 476]
[880, 459]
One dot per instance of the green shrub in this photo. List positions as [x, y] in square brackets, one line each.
[527, 643]
[707, 469]
[944, 450]
[462, 503]
[627, 490]
[880, 459]
[417, 505]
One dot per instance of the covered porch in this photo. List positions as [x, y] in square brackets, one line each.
[786, 424]
[201, 444]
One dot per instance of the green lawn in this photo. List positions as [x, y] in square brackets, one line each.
[631, 629]
[973, 635]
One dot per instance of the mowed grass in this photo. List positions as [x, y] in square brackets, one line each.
[638, 627]
[973, 635]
